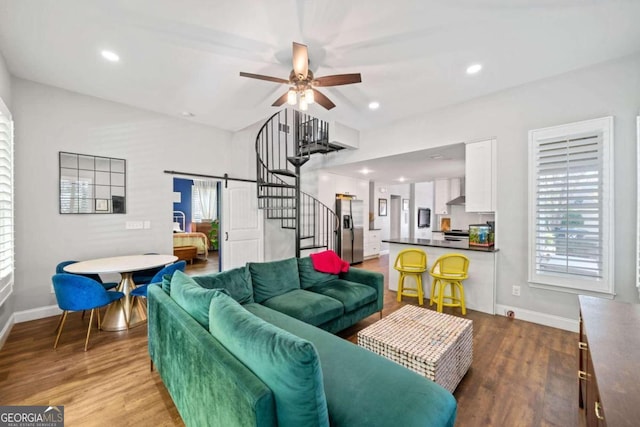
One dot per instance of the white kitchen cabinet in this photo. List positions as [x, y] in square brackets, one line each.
[442, 196]
[372, 243]
[480, 171]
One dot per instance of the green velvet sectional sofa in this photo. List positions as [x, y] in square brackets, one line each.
[253, 347]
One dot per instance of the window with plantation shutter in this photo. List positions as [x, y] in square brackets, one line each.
[571, 206]
[6, 203]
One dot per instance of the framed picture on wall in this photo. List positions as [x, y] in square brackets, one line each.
[382, 207]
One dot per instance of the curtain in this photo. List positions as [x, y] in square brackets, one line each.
[205, 192]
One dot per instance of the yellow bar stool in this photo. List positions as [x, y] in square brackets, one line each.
[411, 262]
[450, 269]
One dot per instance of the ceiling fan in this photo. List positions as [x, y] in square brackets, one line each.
[302, 82]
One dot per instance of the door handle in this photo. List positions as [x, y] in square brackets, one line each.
[226, 236]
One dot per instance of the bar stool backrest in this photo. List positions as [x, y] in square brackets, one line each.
[411, 259]
[451, 265]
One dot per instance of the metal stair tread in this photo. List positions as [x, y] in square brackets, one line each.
[275, 197]
[275, 185]
[284, 172]
[307, 247]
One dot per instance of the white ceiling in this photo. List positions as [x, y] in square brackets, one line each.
[418, 166]
[186, 55]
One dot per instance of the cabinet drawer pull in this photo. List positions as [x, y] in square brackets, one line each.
[598, 408]
[582, 345]
[582, 375]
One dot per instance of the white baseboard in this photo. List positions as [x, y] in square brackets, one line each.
[36, 313]
[4, 333]
[571, 325]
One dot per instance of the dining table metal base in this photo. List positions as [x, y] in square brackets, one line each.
[115, 318]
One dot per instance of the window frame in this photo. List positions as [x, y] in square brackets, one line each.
[7, 280]
[567, 282]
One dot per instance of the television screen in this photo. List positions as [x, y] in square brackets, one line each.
[424, 217]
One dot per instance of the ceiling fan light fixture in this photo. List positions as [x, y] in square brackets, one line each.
[304, 106]
[292, 97]
[308, 96]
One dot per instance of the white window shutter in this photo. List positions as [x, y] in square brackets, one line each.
[6, 204]
[570, 213]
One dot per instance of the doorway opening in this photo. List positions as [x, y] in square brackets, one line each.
[196, 223]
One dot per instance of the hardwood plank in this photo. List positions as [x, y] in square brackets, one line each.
[522, 374]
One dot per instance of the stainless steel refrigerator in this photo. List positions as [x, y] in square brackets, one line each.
[351, 235]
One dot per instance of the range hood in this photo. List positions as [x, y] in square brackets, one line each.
[460, 200]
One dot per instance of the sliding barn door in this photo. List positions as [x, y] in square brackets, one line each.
[242, 232]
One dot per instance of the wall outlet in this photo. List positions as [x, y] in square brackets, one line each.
[515, 290]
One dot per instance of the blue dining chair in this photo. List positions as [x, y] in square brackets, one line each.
[141, 291]
[144, 277]
[60, 270]
[75, 293]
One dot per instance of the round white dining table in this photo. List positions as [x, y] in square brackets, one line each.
[115, 318]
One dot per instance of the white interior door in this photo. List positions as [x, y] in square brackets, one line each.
[241, 225]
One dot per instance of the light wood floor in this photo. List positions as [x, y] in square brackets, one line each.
[522, 374]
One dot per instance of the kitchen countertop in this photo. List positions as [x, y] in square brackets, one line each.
[442, 244]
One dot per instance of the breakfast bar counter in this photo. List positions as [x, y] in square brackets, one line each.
[479, 288]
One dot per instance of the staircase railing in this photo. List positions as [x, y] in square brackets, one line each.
[283, 144]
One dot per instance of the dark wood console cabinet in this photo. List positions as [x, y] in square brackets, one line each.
[609, 362]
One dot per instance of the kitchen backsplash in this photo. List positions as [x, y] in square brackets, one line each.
[460, 219]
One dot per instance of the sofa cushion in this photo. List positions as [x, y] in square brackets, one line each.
[237, 282]
[193, 298]
[307, 306]
[351, 294]
[273, 278]
[287, 364]
[309, 276]
[166, 283]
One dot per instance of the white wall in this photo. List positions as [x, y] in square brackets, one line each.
[6, 309]
[383, 223]
[607, 89]
[49, 120]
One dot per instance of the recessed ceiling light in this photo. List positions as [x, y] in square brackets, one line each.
[364, 171]
[187, 114]
[436, 156]
[110, 56]
[473, 69]
[374, 105]
[402, 179]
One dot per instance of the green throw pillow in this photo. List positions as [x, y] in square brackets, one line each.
[274, 278]
[309, 276]
[287, 364]
[166, 283]
[193, 298]
[236, 281]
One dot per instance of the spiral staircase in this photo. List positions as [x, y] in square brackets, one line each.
[283, 145]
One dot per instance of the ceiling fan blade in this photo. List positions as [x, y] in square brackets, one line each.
[321, 99]
[261, 77]
[300, 60]
[280, 100]
[338, 79]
